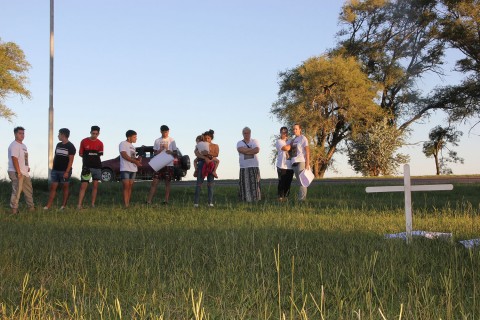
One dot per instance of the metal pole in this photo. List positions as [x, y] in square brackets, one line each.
[408, 202]
[50, 108]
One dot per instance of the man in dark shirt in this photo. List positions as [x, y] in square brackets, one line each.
[91, 149]
[62, 167]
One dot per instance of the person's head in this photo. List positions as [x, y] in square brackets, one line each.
[246, 133]
[199, 139]
[63, 134]
[208, 135]
[19, 133]
[297, 129]
[131, 136]
[94, 132]
[164, 130]
[283, 132]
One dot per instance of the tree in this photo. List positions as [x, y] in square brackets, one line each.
[13, 69]
[439, 138]
[372, 153]
[398, 42]
[460, 25]
[331, 98]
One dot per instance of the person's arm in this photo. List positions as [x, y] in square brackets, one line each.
[125, 156]
[16, 165]
[69, 166]
[202, 156]
[214, 150]
[100, 151]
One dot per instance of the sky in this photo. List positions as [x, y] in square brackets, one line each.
[192, 65]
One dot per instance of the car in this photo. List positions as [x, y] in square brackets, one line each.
[111, 168]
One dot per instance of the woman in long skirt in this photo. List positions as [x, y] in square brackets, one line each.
[248, 150]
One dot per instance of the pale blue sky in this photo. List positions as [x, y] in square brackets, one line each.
[193, 65]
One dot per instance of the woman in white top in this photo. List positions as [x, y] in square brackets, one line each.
[284, 166]
[248, 149]
[300, 158]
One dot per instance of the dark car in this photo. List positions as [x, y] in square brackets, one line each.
[111, 168]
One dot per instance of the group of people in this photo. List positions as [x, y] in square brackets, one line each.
[293, 157]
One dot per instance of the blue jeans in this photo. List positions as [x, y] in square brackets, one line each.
[200, 179]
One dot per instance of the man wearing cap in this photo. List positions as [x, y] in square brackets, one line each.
[163, 144]
[91, 149]
[18, 170]
[300, 158]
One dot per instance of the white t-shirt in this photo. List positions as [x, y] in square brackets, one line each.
[165, 144]
[203, 146]
[19, 151]
[283, 162]
[126, 165]
[248, 160]
[297, 152]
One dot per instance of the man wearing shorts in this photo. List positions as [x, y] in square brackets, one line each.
[167, 144]
[62, 167]
[129, 164]
[91, 149]
[18, 171]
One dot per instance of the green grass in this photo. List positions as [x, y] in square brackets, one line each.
[324, 259]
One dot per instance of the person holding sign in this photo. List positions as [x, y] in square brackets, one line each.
[163, 144]
[300, 158]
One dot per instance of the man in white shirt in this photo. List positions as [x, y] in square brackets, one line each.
[129, 163]
[18, 171]
[167, 144]
[300, 158]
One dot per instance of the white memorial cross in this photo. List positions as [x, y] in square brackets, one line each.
[407, 188]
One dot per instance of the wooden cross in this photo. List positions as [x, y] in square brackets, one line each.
[407, 188]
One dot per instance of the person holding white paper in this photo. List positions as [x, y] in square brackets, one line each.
[163, 144]
[300, 158]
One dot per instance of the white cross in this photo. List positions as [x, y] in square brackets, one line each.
[408, 188]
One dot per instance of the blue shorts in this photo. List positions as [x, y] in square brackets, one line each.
[57, 176]
[127, 175]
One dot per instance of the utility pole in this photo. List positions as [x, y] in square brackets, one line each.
[50, 108]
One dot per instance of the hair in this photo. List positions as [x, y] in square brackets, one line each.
[283, 128]
[247, 129]
[16, 129]
[209, 133]
[199, 138]
[164, 128]
[95, 128]
[297, 124]
[130, 133]
[65, 132]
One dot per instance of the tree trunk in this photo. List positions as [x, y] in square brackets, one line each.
[437, 165]
[322, 165]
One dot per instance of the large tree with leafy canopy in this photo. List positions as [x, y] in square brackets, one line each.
[332, 98]
[13, 78]
[398, 42]
[460, 27]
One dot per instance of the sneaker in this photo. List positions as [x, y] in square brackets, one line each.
[195, 205]
[165, 203]
[62, 208]
[46, 208]
[210, 205]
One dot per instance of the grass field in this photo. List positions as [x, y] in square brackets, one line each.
[323, 259]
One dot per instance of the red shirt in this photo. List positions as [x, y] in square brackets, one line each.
[90, 151]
